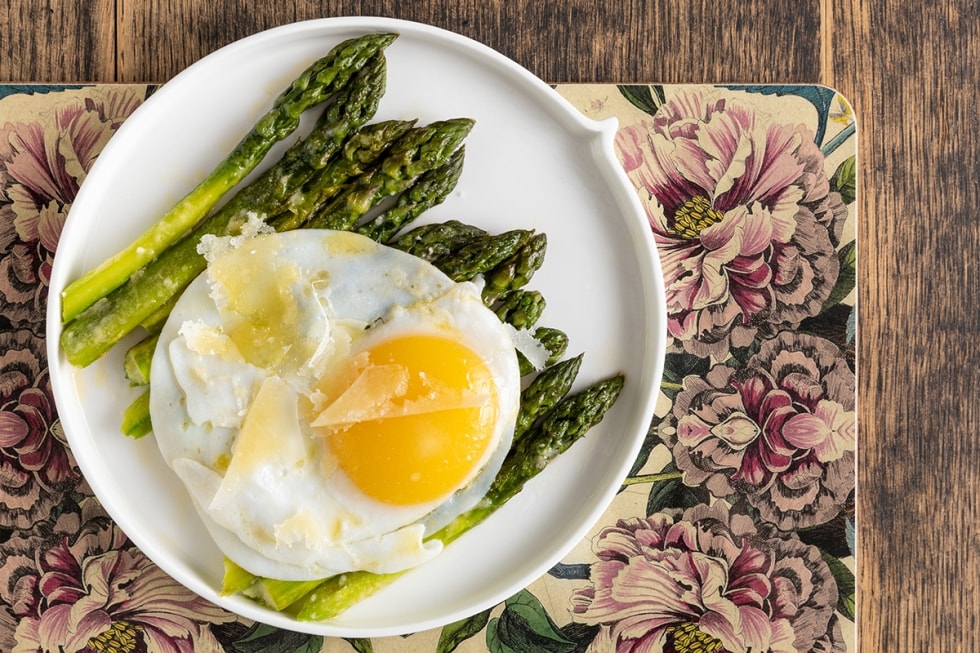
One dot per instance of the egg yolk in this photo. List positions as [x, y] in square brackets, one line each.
[434, 429]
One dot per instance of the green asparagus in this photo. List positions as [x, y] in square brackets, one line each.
[336, 594]
[343, 116]
[153, 323]
[520, 308]
[481, 254]
[553, 434]
[136, 363]
[517, 270]
[136, 416]
[279, 594]
[359, 153]
[315, 85]
[430, 242]
[555, 343]
[419, 151]
[507, 260]
[544, 391]
[430, 189]
[553, 340]
[102, 325]
[236, 579]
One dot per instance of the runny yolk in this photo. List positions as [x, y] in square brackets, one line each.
[430, 437]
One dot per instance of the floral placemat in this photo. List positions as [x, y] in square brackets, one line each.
[735, 530]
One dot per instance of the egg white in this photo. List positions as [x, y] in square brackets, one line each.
[279, 515]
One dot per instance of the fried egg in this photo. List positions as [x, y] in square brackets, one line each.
[327, 402]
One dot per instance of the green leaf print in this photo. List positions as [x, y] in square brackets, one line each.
[847, 277]
[845, 586]
[646, 97]
[844, 180]
[266, 639]
[524, 626]
[458, 632]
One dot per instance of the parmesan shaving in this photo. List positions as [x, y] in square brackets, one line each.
[212, 246]
[525, 342]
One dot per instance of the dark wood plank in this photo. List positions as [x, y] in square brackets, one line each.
[909, 69]
[577, 41]
[672, 42]
[633, 40]
[57, 41]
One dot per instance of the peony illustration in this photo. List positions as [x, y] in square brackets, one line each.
[42, 165]
[79, 586]
[36, 466]
[780, 431]
[708, 580]
[744, 219]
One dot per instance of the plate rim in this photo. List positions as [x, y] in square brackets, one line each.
[600, 135]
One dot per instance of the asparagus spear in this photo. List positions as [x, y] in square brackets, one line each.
[153, 323]
[431, 242]
[358, 155]
[520, 308]
[279, 594]
[340, 129]
[481, 254]
[419, 151]
[553, 434]
[343, 116]
[236, 579]
[517, 270]
[553, 340]
[136, 416]
[136, 363]
[316, 84]
[543, 392]
[442, 243]
[463, 251]
[430, 189]
[556, 431]
[508, 260]
[102, 325]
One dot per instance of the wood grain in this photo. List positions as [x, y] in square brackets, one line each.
[634, 40]
[57, 41]
[909, 71]
[908, 67]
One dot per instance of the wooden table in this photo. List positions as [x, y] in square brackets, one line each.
[906, 68]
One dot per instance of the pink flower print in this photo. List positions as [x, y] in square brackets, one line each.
[743, 217]
[781, 431]
[91, 590]
[42, 165]
[36, 466]
[707, 580]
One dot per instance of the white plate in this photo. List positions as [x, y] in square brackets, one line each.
[532, 160]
